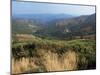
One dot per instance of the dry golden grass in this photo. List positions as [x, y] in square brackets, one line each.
[70, 60]
[24, 37]
[23, 65]
[51, 61]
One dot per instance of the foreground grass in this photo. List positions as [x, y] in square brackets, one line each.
[48, 62]
[34, 54]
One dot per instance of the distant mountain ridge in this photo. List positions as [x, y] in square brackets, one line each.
[78, 26]
[56, 26]
[42, 17]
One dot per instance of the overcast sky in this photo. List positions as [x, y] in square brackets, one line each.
[47, 8]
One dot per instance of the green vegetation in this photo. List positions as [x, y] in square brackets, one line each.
[43, 55]
[53, 45]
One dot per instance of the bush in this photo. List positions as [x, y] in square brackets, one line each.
[81, 50]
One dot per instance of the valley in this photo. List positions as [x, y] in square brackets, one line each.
[44, 44]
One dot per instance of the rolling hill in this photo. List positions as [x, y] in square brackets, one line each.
[55, 26]
[70, 28]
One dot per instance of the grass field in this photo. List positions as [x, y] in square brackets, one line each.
[34, 54]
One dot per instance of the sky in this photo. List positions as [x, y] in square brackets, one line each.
[48, 8]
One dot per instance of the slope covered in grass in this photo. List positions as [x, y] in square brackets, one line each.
[34, 54]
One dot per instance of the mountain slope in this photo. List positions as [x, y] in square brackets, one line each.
[23, 26]
[65, 27]
[69, 28]
[42, 17]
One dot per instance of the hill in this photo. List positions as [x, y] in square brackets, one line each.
[56, 26]
[71, 28]
[31, 54]
[43, 18]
